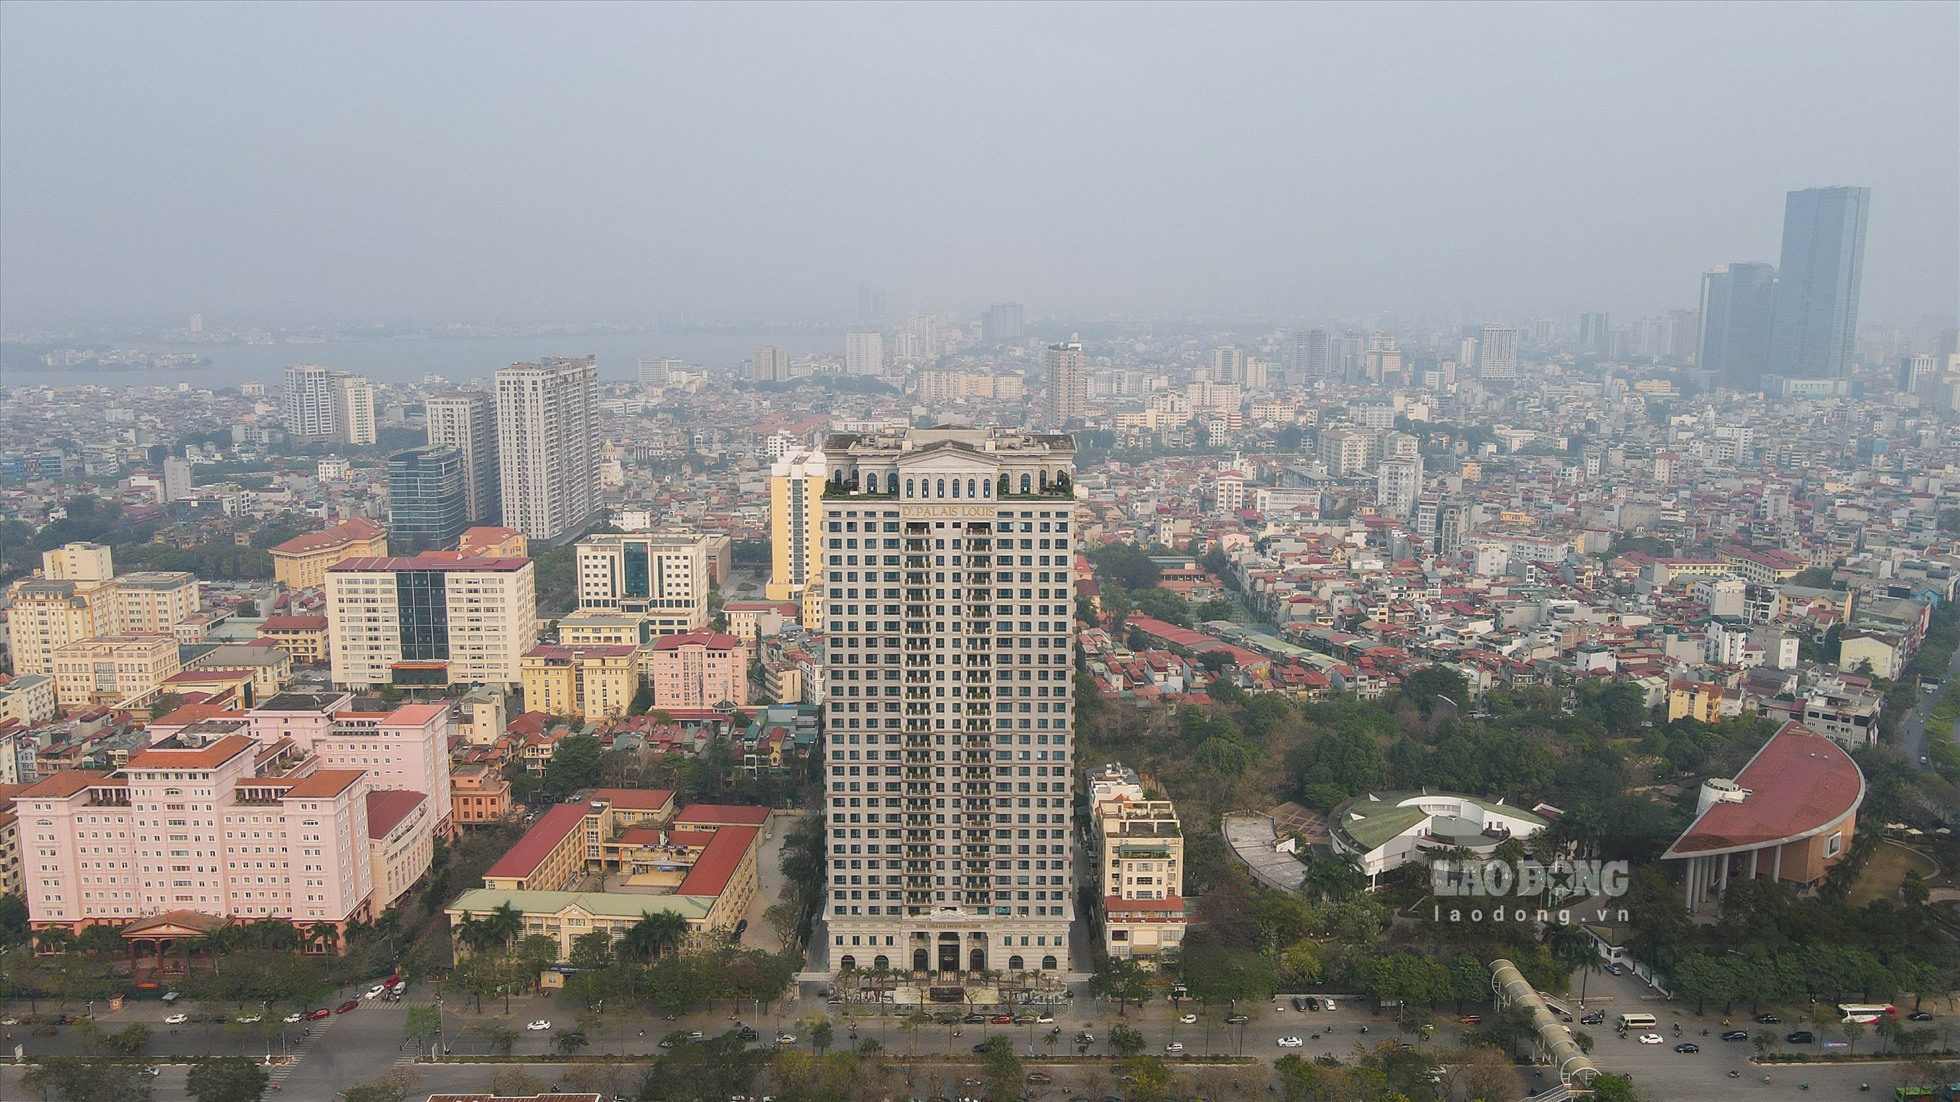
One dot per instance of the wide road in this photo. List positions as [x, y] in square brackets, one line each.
[360, 1046]
[1911, 733]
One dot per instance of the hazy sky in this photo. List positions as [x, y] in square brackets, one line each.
[298, 162]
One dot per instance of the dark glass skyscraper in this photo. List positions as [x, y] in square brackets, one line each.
[1736, 304]
[1815, 320]
[428, 495]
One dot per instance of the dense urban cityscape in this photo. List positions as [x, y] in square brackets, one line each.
[979, 553]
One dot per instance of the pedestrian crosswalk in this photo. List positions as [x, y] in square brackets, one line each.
[298, 1050]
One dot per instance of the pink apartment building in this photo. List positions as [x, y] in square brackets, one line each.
[210, 820]
[698, 670]
[406, 748]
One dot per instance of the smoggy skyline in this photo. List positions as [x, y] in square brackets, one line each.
[289, 163]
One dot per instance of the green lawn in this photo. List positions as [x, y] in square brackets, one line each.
[1886, 870]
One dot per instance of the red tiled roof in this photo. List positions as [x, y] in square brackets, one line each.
[717, 863]
[1114, 904]
[1799, 783]
[323, 785]
[635, 799]
[722, 815]
[294, 623]
[713, 640]
[210, 757]
[347, 531]
[530, 851]
[386, 809]
[63, 784]
[428, 560]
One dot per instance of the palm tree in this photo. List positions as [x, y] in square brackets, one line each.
[321, 934]
[654, 935]
[504, 924]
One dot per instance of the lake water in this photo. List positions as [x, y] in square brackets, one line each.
[406, 361]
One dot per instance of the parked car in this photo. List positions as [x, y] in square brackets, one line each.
[1736, 1035]
[1687, 1046]
[1471, 1019]
[1237, 1019]
[1175, 1048]
[748, 1034]
[1023, 1019]
[1290, 1042]
[249, 1019]
[539, 1026]
[975, 1019]
[1615, 970]
[317, 1015]
[376, 991]
[176, 1019]
[1800, 1037]
[1188, 1019]
[350, 1004]
[1085, 1038]
[1040, 1078]
[1002, 1019]
[1597, 1017]
[1769, 1019]
[295, 1017]
[1919, 1016]
[785, 1038]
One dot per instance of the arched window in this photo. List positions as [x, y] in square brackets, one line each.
[986, 487]
[881, 963]
[976, 960]
[1044, 480]
[1014, 964]
[1027, 484]
[1005, 486]
[921, 961]
[908, 487]
[871, 484]
[969, 487]
[956, 487]
[848, 964]
[1048, 964]
[942, 488]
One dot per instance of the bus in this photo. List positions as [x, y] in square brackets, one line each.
[1637, 1021]
[1867, 1013]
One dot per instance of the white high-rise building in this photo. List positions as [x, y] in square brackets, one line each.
[1398, 486]
[948, 592]
[1068, 383]
[1497, 353]
[658, 371]
[467, 421]
[306, 403]
[353, 410]
[547, 446]
[1228, 365]
[864, 353]
[176, 478]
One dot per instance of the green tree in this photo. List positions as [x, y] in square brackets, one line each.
[131, 1040]
[501, 1038]
[592, 950]
[227, 1079]
[81, 1080]
[1122, 1039]
[822, 1035]
[575, 764]
[568, 1041]
[1121, 980]
[423, 1025]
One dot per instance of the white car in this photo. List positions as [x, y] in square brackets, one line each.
[1044, 1018]
[9, 1021]
[1188, 1019]
[376, 991]
[177, 1019]
[1174, 1049]
[249, 1019]
[538, 1026]
[785, 1038]
[294, 1018]
[1290, 1042]
[1651, 1038]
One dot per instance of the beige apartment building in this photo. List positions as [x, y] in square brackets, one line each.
[113, 670]
[439, 618]
[78, 596]
[301, 562]
[795, 504]
[1141, 850]
[591, 682]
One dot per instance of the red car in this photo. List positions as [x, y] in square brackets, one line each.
[350, 1004]
[392, 981]
[316, 1015]
[1471, 1019]
[1002, 1019]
